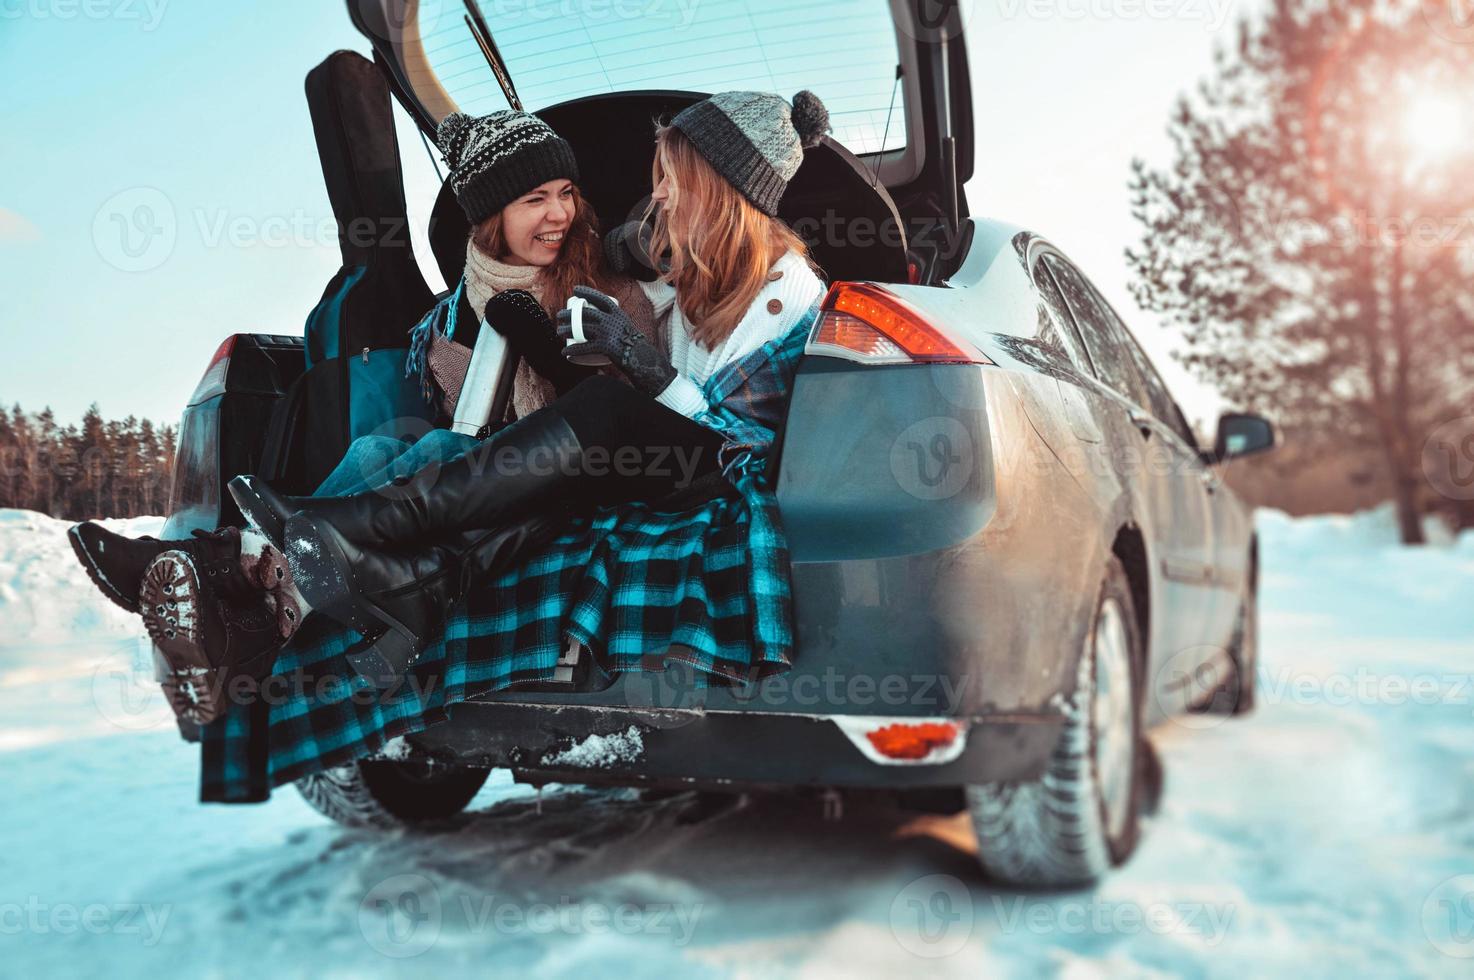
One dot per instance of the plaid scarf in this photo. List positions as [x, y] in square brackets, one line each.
[708, 587]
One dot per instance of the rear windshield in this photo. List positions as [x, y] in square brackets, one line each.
[556, 50]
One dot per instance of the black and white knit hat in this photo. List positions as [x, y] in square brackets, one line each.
[496, 158]
[755, 139]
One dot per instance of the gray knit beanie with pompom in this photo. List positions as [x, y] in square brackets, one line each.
[755, 139]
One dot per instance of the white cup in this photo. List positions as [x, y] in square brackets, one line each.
[576, 305]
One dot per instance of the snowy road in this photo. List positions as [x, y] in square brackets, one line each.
[1331, 833]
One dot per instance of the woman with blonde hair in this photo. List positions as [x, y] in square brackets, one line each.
[739, 294]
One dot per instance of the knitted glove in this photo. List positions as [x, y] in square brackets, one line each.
[626, 253]
[608, 330]
[519, 317]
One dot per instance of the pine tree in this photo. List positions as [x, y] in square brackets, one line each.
[1299, 238]
[102, 469]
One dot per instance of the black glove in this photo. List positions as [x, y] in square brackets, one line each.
[608, 330]
[627, 253]
[518, 316]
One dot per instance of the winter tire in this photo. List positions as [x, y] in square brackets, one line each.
[1081, 817]
[390, 793]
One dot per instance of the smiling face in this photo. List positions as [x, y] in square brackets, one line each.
[533, 226]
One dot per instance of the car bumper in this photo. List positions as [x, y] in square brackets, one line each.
[735, 749]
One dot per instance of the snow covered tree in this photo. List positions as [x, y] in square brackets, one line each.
[1313, 237]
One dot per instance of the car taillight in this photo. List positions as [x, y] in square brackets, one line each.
[213, 381]
[863, 322]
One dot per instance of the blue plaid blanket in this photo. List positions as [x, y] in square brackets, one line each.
[640, 588]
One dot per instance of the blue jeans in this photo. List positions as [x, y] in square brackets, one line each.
[376, 461]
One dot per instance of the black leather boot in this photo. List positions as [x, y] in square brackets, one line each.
[116, 563]
[499, 481]
[399, 599]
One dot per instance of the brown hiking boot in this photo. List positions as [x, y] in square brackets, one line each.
[217, 645]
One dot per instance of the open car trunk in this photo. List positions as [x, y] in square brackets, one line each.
[894, 77]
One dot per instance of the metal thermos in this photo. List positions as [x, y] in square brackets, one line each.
[488, 384]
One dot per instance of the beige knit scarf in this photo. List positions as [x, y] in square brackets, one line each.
[485, 277]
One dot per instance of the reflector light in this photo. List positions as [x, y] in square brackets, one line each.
[889, 740]
[912, 741]
[863, 322]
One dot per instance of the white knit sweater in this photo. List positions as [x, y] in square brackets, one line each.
[773, 313]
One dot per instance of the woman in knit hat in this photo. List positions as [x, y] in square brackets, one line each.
[734, 279]
[532, 239]
[517, 182]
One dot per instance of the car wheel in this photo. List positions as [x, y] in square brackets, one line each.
[1081, 817]
[389, 793]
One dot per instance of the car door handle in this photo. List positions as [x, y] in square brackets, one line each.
[1210, 480]
[1143, 424]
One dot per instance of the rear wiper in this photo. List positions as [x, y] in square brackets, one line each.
[476, 24]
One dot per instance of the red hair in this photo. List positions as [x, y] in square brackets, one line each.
[720, 245]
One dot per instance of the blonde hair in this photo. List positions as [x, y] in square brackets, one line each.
[720, 246]
[580, 261]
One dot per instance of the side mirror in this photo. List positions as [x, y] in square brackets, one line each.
[1241, 434]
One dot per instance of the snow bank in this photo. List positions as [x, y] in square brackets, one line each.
[45, 596]
[1331, 833]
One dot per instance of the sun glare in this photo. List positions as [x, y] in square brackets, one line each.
[1436, 126]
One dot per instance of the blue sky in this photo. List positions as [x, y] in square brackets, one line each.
[188, 116]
